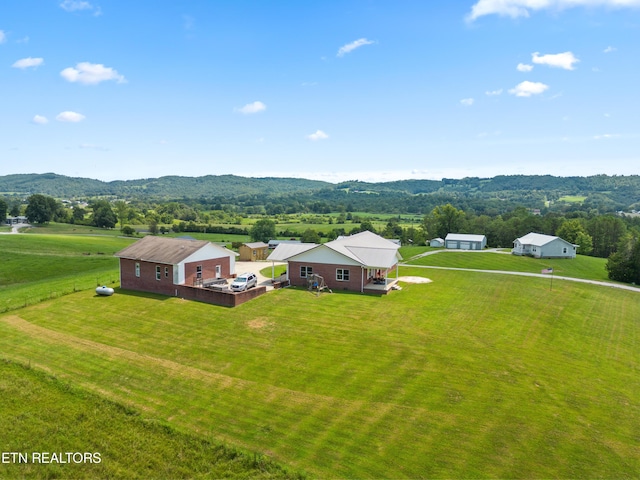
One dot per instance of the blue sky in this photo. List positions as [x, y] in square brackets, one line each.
[334, 90]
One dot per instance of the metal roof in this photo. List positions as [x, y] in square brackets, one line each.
[537, 239]
[286, 250]
[465, 237]
[365, 248]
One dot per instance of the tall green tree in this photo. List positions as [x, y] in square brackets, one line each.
[447, 219]
[263, 230]
[624, 264]
[606, 231]
[122, 211]
[573, 231]
[41, 208]
[3, 210]
[103, 216]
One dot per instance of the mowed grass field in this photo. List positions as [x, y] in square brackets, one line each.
[36, 267]
[472, 375]
[40, 413]
[582, 266]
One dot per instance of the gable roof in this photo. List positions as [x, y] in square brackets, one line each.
[537, 239]
[465, 237]
[256, 245]
[287, 250]
[162, 249]
[364, 248]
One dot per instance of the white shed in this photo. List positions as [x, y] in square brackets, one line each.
[436, 242]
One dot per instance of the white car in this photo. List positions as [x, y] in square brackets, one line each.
[244, 282]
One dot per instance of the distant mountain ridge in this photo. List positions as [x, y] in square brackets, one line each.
[174, 186]
[534, 191]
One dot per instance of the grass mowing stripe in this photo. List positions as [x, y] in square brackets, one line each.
[364, 385]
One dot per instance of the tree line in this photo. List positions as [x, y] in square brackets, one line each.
[609, 235]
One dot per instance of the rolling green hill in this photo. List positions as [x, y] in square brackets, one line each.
[606, 193]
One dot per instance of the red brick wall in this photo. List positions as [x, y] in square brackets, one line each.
[208, 269]
[147, 281]
[329, 274]
[226, 299]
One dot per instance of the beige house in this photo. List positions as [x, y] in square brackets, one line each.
[250, 252]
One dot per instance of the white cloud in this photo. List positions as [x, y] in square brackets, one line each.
[318, 135]
[609, 49]
[80, 5]
[250, 108]
[40, 120]
[91, 74]
[349, 47]
[72, 117]
[559, 60]
[3, 36]
[523, 67]
[606, 136]
[522, 8]
[467, 102]
[526, 89]
[28, 62]
[493, 93]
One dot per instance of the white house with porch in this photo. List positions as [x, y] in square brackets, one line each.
[538, 245]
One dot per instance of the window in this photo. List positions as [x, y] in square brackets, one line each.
[305, 271]
[166, 272]
[158, 275]
[564, 250]
[342, 274]
[199, 271]
[137, 269]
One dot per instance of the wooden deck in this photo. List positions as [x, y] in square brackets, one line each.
[380, 289]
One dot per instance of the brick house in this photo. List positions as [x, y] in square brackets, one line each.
[160, 265]
[359, 262]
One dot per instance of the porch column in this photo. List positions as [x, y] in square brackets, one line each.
[361, 279]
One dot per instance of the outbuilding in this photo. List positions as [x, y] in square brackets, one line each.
[251, 252]
[465, 241]
[436, 242]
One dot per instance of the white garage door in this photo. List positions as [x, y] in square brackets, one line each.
[465, 245]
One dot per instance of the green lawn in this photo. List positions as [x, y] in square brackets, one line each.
[40, 413]
[472, 375]
[54, 228]
[582, 266]
[36, 267]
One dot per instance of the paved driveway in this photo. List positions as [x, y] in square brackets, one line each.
[255, 267]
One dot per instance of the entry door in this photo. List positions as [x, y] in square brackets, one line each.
[218, 271]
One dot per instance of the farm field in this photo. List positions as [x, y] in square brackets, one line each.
[582, 266]
[472, 375]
